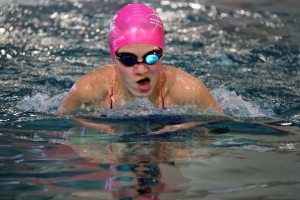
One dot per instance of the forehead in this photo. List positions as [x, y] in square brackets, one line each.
[138, 48]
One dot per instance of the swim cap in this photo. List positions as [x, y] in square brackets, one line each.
[135, 24]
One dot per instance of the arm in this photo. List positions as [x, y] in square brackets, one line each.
[72, 102]
[208, 101]
[91, 90]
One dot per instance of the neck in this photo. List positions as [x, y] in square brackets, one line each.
[123, 96]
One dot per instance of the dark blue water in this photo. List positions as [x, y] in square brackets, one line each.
[246, 52]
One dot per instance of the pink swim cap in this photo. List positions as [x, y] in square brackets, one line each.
[135, 24]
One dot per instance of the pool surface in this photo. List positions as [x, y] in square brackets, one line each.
[246, 52]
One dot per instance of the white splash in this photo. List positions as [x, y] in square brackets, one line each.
[40, 102]
[231, 103]
[234, 105]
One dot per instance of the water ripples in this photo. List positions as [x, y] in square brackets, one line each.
[241, 47]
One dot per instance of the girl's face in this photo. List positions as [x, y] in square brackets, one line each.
[141, 78]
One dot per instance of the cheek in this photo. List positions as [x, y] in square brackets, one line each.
[155, 69]
[124, 73]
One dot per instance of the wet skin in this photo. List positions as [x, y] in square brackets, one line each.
[141, 80]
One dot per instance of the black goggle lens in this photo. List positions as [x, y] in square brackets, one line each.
[130, 59]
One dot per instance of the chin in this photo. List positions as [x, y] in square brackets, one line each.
[142, 94]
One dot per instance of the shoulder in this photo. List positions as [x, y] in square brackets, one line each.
[94, 83]
[92, 78]
[99, 73]
[176, 79]
[185, 89]
[182, 87]
[91, 89]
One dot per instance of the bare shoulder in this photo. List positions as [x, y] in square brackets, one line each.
[92, 88]
[179, 79]
[96, 80]
[101, 73]
[185, 89]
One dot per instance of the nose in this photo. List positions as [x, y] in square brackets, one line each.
[141, 68]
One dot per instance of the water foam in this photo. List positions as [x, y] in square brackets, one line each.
[41, 102]
[232, 104]
[236, 106]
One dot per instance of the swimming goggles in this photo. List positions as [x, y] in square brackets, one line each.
[130, 59]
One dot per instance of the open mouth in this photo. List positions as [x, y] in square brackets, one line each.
[144, 82]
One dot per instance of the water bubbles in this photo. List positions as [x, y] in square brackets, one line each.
[78, 5]
[197, 6]
[8, 56]
[213, 12]
[3, 52]
[164, 3]
[41, 102]
[290, 146]
[138, 107]
[2, 30]
[234, 105]
[224, 15]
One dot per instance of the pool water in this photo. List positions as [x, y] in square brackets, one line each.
[246, 52]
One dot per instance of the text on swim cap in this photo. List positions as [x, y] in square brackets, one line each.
[156, 22]
[115, 41]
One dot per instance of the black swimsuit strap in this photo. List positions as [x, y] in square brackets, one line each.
[111, 103]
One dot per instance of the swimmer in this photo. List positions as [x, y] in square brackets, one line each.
[136, 42]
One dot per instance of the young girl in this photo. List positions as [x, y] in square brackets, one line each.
[136, 41]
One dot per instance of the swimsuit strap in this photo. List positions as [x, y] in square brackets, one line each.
[161, 89]
[112, 84]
